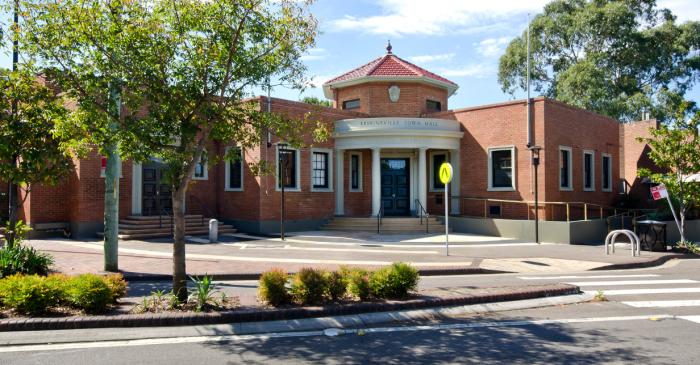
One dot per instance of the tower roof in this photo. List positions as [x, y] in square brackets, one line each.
[388, 68]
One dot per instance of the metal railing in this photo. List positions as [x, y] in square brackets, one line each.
[421, 212]
[625, 213]
[380, 214]
[586, 207]
[168, 213]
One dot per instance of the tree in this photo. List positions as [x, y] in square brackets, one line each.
[316, 101]
[30, 153]
[607, 56]
[185, 67]
[675, 148]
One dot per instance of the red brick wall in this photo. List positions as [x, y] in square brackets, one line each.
[374, 98]
[634, 156]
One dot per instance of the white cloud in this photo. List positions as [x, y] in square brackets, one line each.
[315, 54]
[477, 70]
[431, 58]
[684, 9]
[492, 47]
[409, 17]
[317, 81]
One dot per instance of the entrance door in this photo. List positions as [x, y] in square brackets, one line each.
[395, 186]
[156, 193]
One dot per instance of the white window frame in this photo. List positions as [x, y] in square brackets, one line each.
[513, 168]
[297, 170]
[570, 187]
[592, 154]
[206, 168]
[359, 172]
[227, 169]
[329, 162]
[431, 168]
[610, 170]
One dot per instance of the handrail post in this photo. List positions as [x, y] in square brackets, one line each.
[485, 215]
[568, 214]
[585, 211]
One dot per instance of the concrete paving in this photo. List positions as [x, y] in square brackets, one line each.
[245, 254]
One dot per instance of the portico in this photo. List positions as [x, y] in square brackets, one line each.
[399, 164]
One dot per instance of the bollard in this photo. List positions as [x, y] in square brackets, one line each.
[213, 230]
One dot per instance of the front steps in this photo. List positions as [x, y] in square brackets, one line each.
[396, 225]
[136, 227]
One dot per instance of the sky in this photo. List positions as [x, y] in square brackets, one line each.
[461, 40]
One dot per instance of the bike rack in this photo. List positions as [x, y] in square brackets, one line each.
[634, 239]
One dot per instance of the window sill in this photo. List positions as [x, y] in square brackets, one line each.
[321, 190]
[200, 178]
[589, 190]
[289, 190]
[234, 189]
[607, 190]
[566, 189]
[500, 189]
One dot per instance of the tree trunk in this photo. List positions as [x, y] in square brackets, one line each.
[112, 173]
[179, 264]
[10, 233]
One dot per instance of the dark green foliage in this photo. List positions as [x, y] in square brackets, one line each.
[30, 294]
[308, 286]
[202, 295]
[394, 282]
[21, 259]
[272, 287]
[358, 282]
[89, 292]
[336, 285]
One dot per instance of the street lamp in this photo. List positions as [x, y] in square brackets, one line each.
[283, 151]
[535, 151]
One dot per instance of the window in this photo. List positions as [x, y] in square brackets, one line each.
[436, 160]
[355, 172]
[200, 168]
[234, 169]
[588, 171]
[321, 170]
[501, 175]
[606, 173]
[433, 106]
[351, 104]
[288, 168]
[564, 168]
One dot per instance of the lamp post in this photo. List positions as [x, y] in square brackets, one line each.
[535, 151]
[282, 150]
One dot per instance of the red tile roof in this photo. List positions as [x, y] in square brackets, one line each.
[387, 66]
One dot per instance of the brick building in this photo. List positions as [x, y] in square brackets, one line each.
[392, 128]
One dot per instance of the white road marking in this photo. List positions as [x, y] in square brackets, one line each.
[238, 338]
[695, 319]
[272, 259]
[587, 277]
[646, 291]
[663, 303]
[632, 282]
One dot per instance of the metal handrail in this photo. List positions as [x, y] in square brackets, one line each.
[172, 220]
[422, 210]
[203, 207]
[380, 214]
[585, 205]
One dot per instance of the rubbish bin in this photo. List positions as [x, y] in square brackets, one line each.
[652, 235]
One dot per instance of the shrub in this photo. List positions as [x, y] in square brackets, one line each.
[204, 289]
[117, 285]
[272, 287]
[89, 292]
[30, 294]
[21, 259]
[358, 282]
[308, 286]
[336, 285]
[395, 281]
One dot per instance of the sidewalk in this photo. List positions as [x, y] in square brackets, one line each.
[241, 256]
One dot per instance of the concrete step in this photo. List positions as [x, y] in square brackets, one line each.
[156, 217]
[168, 229]
[157, 225]
[436, 229]
[151, 234]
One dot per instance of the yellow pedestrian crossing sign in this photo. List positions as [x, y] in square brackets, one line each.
[445, 173]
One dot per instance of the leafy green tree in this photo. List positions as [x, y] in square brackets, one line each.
[608, 56]
[316, 101]
[184, 68]
[30, 152]
[675, 149]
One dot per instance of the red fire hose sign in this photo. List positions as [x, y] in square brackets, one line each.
[659, 192]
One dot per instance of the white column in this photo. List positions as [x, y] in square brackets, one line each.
[376, 181]
[422, 180]
[339, 183]
[455, 186]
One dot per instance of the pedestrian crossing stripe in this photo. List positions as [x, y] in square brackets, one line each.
[645, 291]
[663, 303]
[633, 282]
[588, 277]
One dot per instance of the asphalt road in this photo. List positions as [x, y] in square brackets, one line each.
[656, 319]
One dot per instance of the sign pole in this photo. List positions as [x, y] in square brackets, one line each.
[447, 225]
[675, 218]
